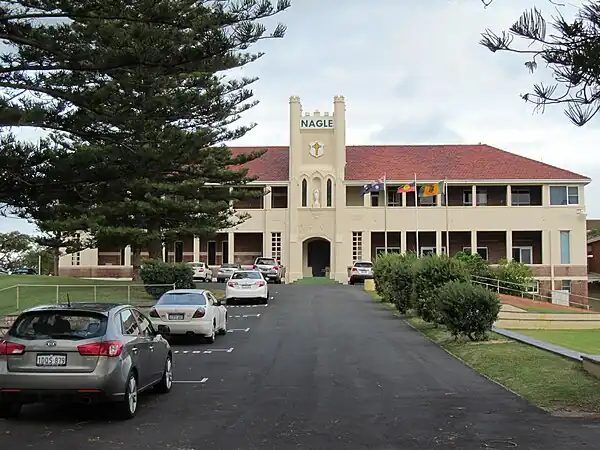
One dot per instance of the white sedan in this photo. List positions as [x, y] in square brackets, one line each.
[190, 312]
[246, 285]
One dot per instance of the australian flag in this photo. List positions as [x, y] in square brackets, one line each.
[373, 186]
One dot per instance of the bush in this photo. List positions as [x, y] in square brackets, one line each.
[476, 266]
[515, 277]
[156, 272]
[394, 279]
[467, 309]
[431, 273]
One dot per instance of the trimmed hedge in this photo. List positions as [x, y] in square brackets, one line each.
[467, 309]
[439, 290]
[158, 272]
[431, 273]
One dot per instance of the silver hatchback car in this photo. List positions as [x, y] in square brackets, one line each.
[89, 352]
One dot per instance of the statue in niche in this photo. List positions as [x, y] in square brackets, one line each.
[316, 198]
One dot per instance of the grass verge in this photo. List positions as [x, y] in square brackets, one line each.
[549, 381]
[586, 341]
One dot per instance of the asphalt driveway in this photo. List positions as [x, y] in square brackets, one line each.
[320, 367]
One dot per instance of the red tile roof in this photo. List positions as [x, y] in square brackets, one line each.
[429, 162]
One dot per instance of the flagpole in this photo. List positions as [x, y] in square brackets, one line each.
[447, 221]
[385, 205]
[417, 216]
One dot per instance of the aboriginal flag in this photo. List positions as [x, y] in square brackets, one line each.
[409, 187]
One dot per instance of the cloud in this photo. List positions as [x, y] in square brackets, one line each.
[414, 72]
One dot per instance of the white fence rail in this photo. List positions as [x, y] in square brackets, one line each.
[22, 296]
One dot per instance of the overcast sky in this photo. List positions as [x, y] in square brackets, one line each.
[412, 72]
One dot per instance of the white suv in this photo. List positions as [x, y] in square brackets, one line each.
[361, 271]
[202, 272]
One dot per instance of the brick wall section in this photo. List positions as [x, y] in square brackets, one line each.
[96, 271]
[529, 239]
[495, 241]
[248, 247]
[104, 259]
[458, 240]
[594, 261]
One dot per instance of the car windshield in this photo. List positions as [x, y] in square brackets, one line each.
[246, 276]
[364, 265]
[266, 262]
[71, 325]
[182, 298]
[197, 264]
[229, 266]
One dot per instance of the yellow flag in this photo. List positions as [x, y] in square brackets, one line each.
[430, 190]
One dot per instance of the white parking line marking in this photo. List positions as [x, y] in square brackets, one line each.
[203, 352]
[247, 306]
[244, 316]
[203, 380]
[238, 329]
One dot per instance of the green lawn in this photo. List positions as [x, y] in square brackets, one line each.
[586, 341]
[19, 292]
[547, 380]
[541, 309]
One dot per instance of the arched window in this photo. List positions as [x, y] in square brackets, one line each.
[304, 193]
[329, 194]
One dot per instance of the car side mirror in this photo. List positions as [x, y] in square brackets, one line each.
[163, 330]
[218, 303]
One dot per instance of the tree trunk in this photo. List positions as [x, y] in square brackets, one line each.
[155, 249]
[56, 255]
[136, 262]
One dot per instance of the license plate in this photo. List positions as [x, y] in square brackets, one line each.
[246, 286]
[176, 316]
[51, 360]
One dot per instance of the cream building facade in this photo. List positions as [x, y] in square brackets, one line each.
[313, 219]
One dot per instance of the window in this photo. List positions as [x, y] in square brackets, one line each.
[356, 246]
[565, 247]
[468, 197]
[129, 325]
[76, 259]
[182, 299]
[523, 254]
[374, 199]
[430, 251]
[329, 194]
[59, 324]
[279, 197]
[428, 201]
[520, 197]
[381, 250]
[482, 251]
[565, 285]
[249, 275]
[394, 198]
[564, 195]
[276, 246]
[481, 197]
[146, 328]
[304, 193]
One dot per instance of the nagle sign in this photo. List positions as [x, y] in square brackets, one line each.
[316, 123]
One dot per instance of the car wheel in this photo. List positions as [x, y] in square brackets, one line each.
[10, 410]
[165, 384]
[211, 338]
[223, 331]
[127, 407]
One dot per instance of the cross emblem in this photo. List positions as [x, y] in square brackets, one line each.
[316, 149]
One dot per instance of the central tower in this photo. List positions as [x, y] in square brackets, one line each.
[317, 160]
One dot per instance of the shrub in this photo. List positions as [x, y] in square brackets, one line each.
[156, 272]
[467, 309]
[476, 266]
[515, 277]
[394, 279]
[431, 273]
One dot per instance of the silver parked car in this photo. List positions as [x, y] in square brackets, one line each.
[89, 352]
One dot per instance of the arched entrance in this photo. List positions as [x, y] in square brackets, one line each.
[316, 257]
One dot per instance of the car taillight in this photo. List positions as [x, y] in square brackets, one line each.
[260, 283]
[10, 348]
[354, 269]
[153, 313]
[232, 284]
[254, 266]
[199, 314]
[200, 269]
[108, 348]
[275, 267]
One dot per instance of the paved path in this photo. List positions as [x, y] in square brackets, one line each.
[321, 367]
